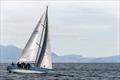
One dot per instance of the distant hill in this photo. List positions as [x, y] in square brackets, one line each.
[9, 53]
[12, 53]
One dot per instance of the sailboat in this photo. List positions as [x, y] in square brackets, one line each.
[37, 50]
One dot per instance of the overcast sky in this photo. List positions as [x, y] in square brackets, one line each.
[87, 28]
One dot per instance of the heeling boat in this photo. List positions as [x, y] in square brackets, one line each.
[37, 51]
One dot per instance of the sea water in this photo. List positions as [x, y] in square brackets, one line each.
[69, 71]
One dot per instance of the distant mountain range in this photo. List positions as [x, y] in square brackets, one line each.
[12, 53]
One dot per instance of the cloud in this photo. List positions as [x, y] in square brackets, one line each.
[89, 26]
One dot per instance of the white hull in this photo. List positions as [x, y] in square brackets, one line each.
[25, 71]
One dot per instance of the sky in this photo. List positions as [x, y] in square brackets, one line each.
[88, 28]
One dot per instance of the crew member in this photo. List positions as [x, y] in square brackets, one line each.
[19, 65]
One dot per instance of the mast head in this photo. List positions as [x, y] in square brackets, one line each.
[47, 8]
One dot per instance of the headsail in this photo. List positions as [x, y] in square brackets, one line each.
[29, 52]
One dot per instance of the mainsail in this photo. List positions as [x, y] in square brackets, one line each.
[37, 49]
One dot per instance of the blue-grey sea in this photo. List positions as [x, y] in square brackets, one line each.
[69, 71]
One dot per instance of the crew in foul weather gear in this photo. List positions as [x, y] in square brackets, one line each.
[23, 65]
[27, 66]
[19, 65]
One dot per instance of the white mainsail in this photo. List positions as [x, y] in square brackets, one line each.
[37, 49]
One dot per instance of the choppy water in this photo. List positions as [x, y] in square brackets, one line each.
[69, 71]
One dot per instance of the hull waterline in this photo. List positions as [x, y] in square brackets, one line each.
[23, 71]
